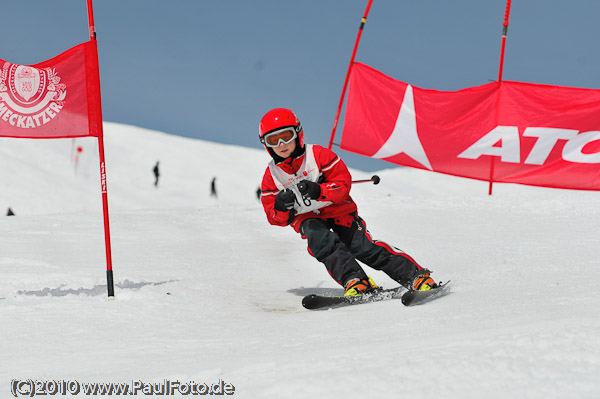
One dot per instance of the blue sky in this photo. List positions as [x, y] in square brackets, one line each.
[211, 69]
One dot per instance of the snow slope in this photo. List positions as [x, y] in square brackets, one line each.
[206, 290]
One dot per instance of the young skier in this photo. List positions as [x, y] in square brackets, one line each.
[308, 188]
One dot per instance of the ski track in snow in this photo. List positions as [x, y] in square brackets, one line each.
[207, 290]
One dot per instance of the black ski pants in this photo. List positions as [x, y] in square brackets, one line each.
[339, 248]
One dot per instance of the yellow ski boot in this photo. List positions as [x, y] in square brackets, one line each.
[356, 287]
[424, 283]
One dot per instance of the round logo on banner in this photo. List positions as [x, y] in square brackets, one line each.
[30, 97]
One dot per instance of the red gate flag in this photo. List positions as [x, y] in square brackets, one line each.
[505, 131]
[56, 98]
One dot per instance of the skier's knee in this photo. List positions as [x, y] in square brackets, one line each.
[321, 240]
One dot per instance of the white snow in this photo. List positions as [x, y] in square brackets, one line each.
[207, 290]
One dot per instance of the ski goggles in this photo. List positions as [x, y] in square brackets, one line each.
[277, 137]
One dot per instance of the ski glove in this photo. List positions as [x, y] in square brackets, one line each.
[309, 189]
[284, 201]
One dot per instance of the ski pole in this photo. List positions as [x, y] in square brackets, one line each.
[375, 179]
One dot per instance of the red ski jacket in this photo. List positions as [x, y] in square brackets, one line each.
[334, 179]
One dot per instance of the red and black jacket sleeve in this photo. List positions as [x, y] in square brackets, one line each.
[336, 178]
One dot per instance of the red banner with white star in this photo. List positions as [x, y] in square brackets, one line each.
[56, 98]
[509, 132]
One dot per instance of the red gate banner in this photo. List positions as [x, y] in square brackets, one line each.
[56, 98]
[504, 131]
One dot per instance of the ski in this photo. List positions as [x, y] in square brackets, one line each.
[411, 298]
[314, 301]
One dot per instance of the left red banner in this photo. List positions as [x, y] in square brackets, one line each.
[57, 98]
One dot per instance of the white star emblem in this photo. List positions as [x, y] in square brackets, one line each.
[404, 138]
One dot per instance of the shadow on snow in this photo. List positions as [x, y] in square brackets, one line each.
[94, 291]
